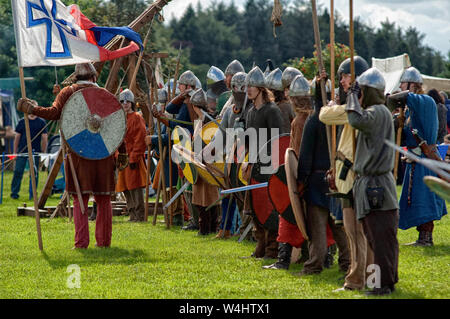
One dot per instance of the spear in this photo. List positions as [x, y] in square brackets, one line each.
[352, 69]
[332, 75]
[321, 67]
[177, 70]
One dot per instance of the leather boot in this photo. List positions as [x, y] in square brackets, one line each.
[220, 234]
[227, 234]
[284, 257]
[422, 240]
[203, 222]
[213, 219]
[271, 245]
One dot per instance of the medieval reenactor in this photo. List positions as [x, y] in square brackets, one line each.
[274, 83]
[217, 87]
[94, 176]
[289, 235]
[131, 180]
[264, 114]
[313, 163]
[183, 111]
[419, 206]
[234, 67]
[335, 114]
[375, 194]
[203, 194]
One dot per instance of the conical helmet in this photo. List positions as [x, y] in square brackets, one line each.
[162, 95]
[299, 87]
[188, 78]
[214, 75]
[411, 74]
[372, 78]
[288, 75]
[238, 82]
[126, 95]
[234, 67]
[255, 78]
[198, 98]
[273, 80]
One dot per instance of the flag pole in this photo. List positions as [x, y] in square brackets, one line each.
[30, 161]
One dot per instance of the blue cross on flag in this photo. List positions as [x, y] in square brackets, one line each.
[49, 33]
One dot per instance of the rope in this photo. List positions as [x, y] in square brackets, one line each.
[276, 15]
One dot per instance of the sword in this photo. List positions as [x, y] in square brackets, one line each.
[244, 188]
[244, 234]
[180, 191]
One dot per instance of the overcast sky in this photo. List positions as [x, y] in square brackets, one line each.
[430, 17]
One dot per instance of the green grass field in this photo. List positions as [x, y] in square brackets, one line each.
[147, 261]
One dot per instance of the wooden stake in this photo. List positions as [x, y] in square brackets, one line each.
[31, 164]
[332, 75]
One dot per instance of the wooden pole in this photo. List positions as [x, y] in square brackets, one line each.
[31, 164]
[332, 75]
[399, 140]
[321, 67]
[352, 70]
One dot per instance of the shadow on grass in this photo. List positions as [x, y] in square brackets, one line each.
[90, 256]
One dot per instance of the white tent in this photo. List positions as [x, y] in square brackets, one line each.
[392, 70]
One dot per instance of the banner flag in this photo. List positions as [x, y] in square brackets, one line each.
[50, 34]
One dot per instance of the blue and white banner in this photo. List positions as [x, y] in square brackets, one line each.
[49, 33]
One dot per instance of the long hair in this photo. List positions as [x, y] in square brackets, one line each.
[301, 104]
[267, 95]
[278, 95]
[436, 96]
[416, 88]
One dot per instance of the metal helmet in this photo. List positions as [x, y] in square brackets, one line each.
[273, 80]
[255, 78]
[169, 87]
[372, 78]
[299, 87]
[198, 98]
[126, 95]
[234, 67]
[288, 75]
[214, 75]
[361, 66]
[238, 82]
[411, 74]
[188, 78]
[215, 82]
[85, 69]
[162, 95]
[198, 84]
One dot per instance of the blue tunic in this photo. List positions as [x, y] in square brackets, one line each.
[425, 204]
[182, 114]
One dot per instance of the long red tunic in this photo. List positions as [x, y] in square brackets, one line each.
[94, 176]
[128, 178]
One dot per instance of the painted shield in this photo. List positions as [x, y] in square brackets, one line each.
[182, 137]
[205, 171]
[232, 168]
[439, 186]
[291, 163]
[262, 170]
[93, 123]
[279, 195]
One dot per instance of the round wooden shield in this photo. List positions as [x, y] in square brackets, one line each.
[439, 186]
[279, 195]
[261, 172]
[181, 139]
[93, 123]
[291, 163]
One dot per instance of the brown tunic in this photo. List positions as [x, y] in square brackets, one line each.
[94, 176]
[203, 193]
[287, 114]
[297, 131]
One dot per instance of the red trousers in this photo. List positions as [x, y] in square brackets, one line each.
[103, 222]
[289, 233]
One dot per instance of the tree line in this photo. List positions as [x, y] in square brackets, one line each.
[219, 33]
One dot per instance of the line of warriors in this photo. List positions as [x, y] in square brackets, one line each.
[352, 207]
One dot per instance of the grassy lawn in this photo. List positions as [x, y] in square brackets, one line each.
[147, 261]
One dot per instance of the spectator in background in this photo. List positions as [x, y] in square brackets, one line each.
[442, 114]
[38, 132]
[447, 105]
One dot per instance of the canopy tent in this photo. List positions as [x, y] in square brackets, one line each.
[392, 69]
